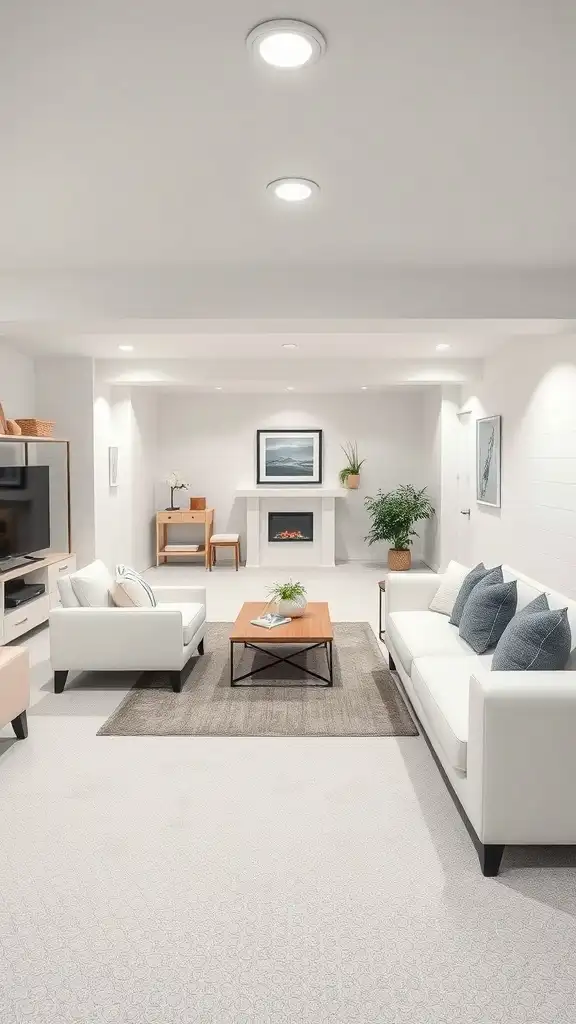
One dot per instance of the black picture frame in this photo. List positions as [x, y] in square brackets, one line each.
[314, 480]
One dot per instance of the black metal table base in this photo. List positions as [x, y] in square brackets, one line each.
[381, 590]
[277, 659]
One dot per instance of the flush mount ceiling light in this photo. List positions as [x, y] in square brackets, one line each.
[289, 344]
[442, 347]
[286, 44]
[126, 348]
[293, 190]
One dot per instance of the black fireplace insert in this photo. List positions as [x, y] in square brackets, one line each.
[290, 526]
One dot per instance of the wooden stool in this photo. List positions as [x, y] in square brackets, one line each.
[224, 540]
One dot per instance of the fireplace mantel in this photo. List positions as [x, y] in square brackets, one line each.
[287, 491]
[261, 500]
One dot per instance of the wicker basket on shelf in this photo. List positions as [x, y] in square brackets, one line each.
[36, 428]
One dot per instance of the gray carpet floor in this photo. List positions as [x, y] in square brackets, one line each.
[259, 881]
[364, 700]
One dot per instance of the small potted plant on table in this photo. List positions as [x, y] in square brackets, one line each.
[393, 518]
[350, 475]
[175, 483]
[290, 598]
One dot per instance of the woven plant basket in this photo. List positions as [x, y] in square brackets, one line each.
[399, 561]
[36, 428]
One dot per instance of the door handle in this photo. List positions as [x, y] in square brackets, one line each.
[465, 512]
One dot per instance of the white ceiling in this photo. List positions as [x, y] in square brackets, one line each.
[332, 340]
[140, 134]
[274, 376]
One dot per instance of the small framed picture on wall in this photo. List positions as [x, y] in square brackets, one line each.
[488, 450]
[113, 466]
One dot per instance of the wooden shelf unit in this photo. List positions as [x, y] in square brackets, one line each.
[183, 517]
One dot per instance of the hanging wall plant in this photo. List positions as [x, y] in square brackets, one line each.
[350, 475]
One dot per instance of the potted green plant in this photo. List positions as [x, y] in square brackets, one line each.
[350, 475]
[290, 598]
[393, 517]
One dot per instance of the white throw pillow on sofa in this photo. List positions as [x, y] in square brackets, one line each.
[131, 589]
[445, 596]
[93, 585]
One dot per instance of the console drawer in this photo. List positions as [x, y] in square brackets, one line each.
[20, 620]
[169, 517]
[59, 569]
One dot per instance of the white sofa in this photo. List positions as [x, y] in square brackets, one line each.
[506, 741]
[108, 639]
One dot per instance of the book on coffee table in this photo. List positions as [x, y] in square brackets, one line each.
[270, 620]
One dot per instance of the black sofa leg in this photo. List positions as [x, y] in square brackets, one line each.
[20, 726]
[201, 646]
[391, 663]
[176, 681]
[490, 859]
[59, 681]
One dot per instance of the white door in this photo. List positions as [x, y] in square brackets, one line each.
[466, 486]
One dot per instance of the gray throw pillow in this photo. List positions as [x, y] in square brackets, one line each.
[488, 610]
[539, 604]
[538, 642]
[474, 576]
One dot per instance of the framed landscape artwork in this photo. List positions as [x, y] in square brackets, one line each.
[288, 456]
[488, 443]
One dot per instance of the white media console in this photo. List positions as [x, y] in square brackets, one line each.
[14, 622]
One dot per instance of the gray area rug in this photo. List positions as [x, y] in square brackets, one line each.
[364, 700]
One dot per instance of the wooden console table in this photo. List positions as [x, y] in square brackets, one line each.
[183, 517]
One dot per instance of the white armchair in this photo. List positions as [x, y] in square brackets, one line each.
[164, 638]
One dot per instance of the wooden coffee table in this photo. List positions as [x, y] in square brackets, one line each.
[308, 632]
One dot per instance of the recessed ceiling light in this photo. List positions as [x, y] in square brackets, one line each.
[289, 344]
[290, 389]
[293, 190]
[364, 387]
[286, 43]
[126, 348]
[442, 347]
[217, 388]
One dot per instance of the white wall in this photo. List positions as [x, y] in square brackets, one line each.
[144, 438]
[211, 440]
[65, 394]
[432, 424]
[17, 395]
[17, 382]
[124, 528]
[532, 384]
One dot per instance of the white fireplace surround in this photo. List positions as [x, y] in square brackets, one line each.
[321, 501]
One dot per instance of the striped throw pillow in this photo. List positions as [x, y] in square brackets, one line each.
[132, 590]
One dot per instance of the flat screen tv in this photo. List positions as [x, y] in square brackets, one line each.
[24, 509]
